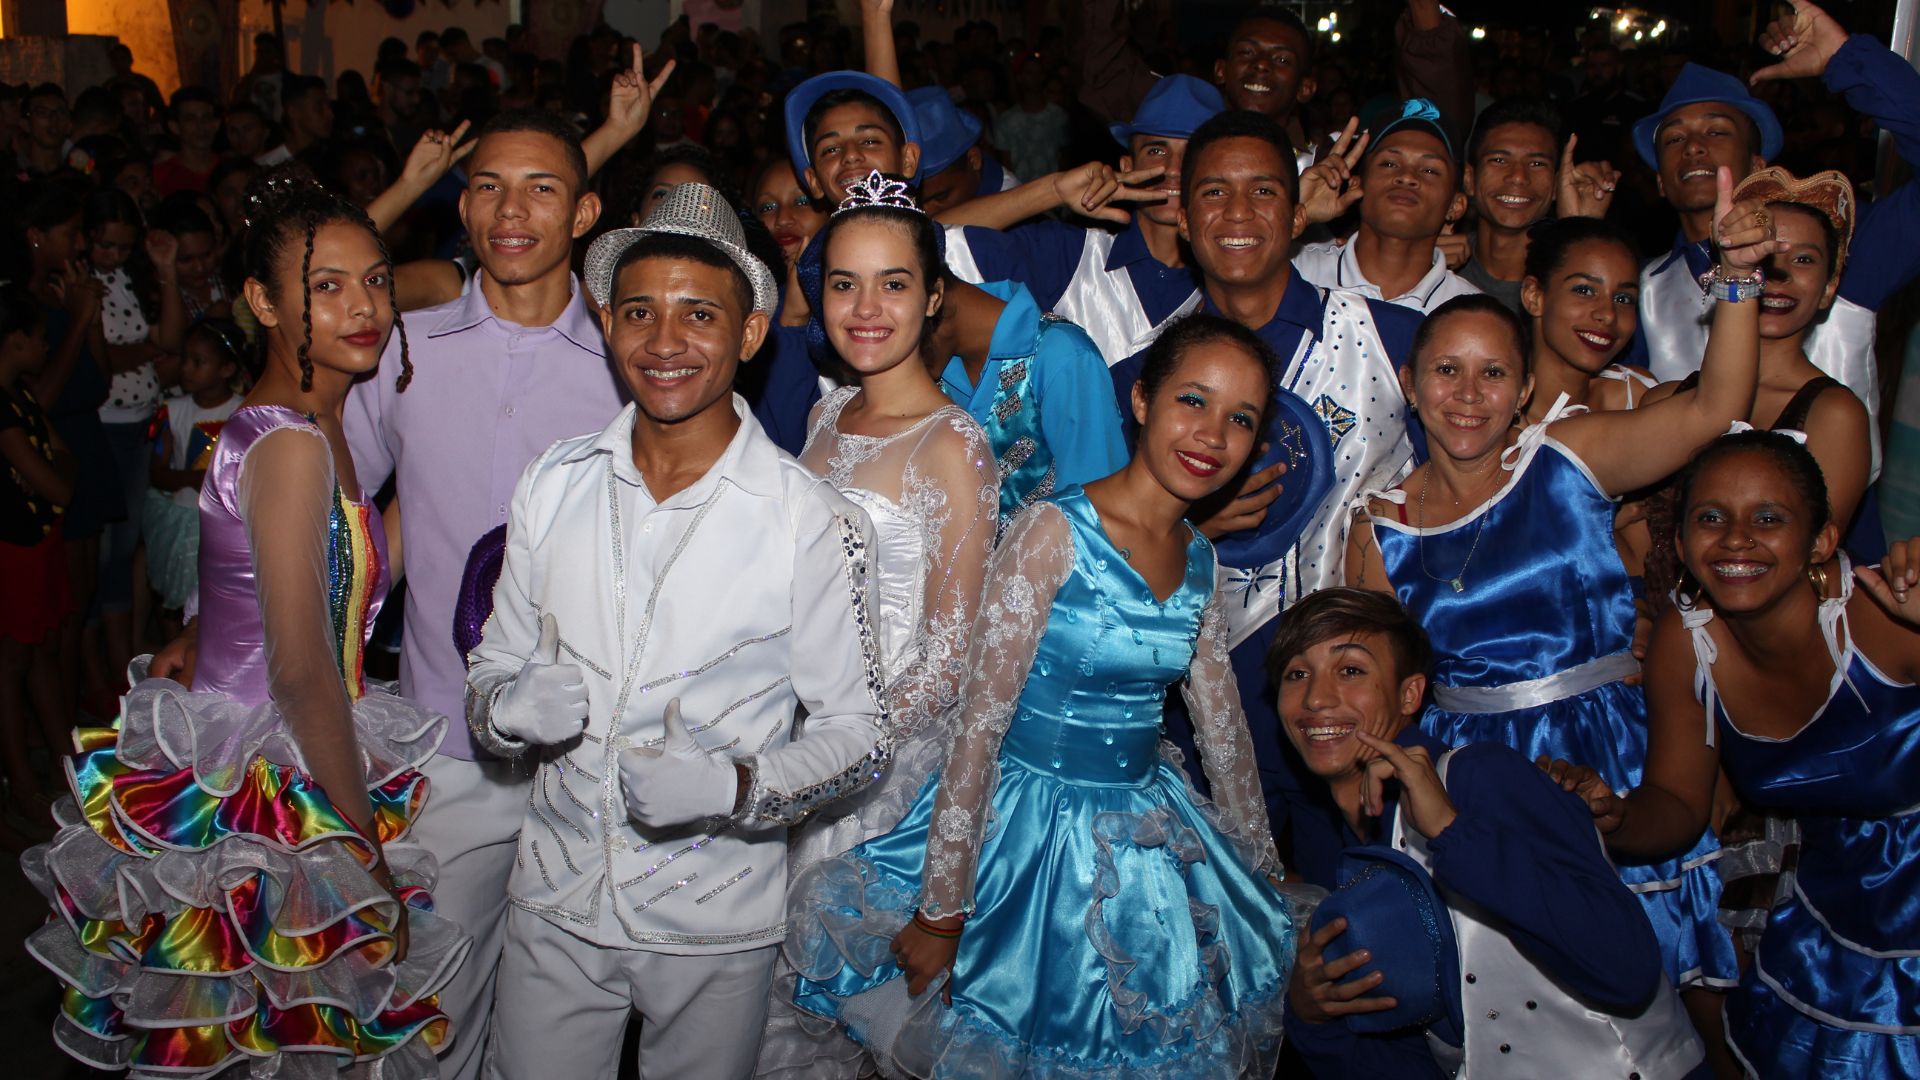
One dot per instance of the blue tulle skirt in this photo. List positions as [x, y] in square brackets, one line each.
[1605, 728]
[1117, 931]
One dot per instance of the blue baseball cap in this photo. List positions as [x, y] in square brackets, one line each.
[1394, 911]
[947, 131]
[802, 97]
[1175, 107]
[1296, 434]
[1416, 114]
[1696, 85]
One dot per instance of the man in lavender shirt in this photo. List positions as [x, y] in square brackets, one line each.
[500, 374]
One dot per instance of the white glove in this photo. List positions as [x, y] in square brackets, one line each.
[547, 702]
[678, 783]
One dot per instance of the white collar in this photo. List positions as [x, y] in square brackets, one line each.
[751, 461]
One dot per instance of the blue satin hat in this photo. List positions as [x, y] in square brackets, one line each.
[802, 97]
[1697, 84]
[1416, 114]
[1394, 911]
[1175, 107]
[947, 131]
[1296, 434]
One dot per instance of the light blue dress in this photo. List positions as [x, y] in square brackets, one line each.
[1121, 924]
[1834, 990]
[1530, 652]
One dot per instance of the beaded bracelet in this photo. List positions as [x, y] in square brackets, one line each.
[1720, 285]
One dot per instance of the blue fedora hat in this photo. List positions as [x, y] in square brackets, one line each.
[947, 131]
[1394, 911]
[1296, 434]
[802, 97]
[1698, 84]
[1174, 107]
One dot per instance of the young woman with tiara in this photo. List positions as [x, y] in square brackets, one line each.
[921, 469]
[1109, 921]
[1502, 547]
[228, 885]
[1811, 706]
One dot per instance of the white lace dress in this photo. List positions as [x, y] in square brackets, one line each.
[933, 494]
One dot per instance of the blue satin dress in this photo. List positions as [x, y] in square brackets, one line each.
[1117, 931]
[1530, 653]
[1834, 990]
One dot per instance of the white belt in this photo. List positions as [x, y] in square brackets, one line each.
[1574, 681]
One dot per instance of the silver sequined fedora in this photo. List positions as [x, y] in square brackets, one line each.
[694, 210]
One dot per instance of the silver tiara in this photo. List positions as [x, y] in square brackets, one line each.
[878, 190]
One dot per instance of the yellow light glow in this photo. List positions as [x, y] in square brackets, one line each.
[1325, 24]
[1479, 33]
[1336, 36]
[1624, 24]
[1659, 28]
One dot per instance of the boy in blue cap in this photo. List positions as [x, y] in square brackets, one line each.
[953, 166]
[1122, 287]
[1557, 967]
[1410, 191]
[1709, 120]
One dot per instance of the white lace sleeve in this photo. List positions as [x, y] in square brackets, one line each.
[1226, 748]
[1028, 570]
[952, 487]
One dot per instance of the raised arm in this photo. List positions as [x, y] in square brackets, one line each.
[629, 104]
[958, 468]
[1212, 695]
[1630, 449]
[1028, 569]
[876, 31]
[432, 156]
[1089, 190]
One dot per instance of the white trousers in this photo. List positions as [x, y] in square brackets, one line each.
[471, 824]
[562, 1004]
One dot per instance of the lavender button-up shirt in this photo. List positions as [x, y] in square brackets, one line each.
[487, 397]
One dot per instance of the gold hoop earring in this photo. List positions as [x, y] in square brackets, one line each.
[1817, 576]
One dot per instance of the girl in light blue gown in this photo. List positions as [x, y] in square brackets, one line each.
[1059, 902]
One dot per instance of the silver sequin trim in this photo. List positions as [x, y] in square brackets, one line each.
[722, 887]
[664, 893]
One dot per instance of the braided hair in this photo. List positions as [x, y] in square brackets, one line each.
[287, 201]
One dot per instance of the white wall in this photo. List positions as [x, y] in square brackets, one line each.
[328, 37]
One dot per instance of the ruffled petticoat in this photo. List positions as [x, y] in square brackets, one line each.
[213, 910]
[798, 1045]
[1119, 933]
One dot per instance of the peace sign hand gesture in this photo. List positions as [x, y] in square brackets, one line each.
[630, 101]
[1893, 582]
[1804, 43]
[1331, 185]
[434, 154]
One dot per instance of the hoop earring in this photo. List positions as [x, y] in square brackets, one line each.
[1817, 577]
[1681, 597]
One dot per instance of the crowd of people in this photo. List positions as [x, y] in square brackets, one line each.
[804, 473]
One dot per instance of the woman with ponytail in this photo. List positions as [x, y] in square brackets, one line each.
[268, 796]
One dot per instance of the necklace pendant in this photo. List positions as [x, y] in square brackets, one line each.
[1458, 585]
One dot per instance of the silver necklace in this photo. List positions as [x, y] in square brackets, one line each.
[1458, 581]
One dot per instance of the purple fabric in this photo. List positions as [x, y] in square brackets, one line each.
[487, 397]
[232, 651]
[475, 603]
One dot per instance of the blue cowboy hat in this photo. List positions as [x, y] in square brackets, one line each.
[1174, 108]
[1394, 911]
[1296, 434]
[1698, 84]
[947, 131]
[802, 97]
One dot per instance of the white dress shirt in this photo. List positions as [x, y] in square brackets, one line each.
[744, 596]
[1333, 265]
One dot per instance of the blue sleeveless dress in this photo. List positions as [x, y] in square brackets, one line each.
[1834, 990]
[1530, 653]
[1116, 930]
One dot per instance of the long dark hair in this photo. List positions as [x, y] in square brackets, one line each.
[286, 202]
[111, 206]
[929, 249]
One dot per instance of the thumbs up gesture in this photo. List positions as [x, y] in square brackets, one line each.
[1743, 231]
[679, 782]
[547, 702]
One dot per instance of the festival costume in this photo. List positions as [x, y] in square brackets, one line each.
[1121, 925]
[1556, 967]
[213, 906]
[932, 496]
[1531, 616]
[185, 435]
[743, 596]
[1834, 988]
